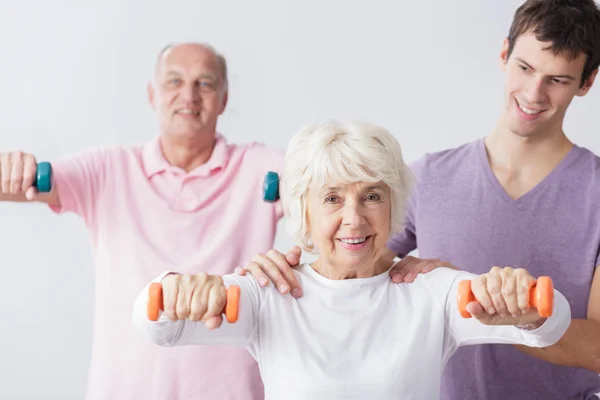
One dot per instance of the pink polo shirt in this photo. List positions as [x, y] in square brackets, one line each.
[145, 217]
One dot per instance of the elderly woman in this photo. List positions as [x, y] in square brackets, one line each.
[354, 334]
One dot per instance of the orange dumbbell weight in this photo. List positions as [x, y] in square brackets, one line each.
[155, 302]
[541, 297]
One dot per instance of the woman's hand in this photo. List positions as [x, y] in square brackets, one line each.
[198, 297]
[503, 298]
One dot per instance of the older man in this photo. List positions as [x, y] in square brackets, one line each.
[183, 201]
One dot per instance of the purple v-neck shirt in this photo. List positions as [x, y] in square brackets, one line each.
[461, 213]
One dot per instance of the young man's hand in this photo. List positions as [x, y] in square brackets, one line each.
[407, 269]
[277, 268]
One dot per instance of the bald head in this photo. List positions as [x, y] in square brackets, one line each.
[191, 51]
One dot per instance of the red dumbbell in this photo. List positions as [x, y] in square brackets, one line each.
[155, 302]
[541, 297]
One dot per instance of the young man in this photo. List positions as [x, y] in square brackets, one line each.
[175, 202]
[524, 196]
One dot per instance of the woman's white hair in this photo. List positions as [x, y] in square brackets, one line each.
[331, 151]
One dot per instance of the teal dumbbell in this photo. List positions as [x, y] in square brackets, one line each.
[271, 187]
[43, 177]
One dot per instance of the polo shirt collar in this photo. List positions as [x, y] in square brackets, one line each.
[155, 162]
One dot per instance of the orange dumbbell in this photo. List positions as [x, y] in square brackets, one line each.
[541, 297]
[155, 302]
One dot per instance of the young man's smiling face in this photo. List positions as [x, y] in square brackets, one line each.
[539, 86]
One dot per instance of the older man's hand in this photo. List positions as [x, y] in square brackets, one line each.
[407, 269]
[277, 268]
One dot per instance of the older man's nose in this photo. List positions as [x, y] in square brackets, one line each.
[190, 93]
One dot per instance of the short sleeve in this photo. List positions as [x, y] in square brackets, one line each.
[78, 179]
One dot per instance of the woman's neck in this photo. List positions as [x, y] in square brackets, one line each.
[337, 272]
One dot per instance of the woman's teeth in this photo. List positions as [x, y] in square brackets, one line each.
[354, 241]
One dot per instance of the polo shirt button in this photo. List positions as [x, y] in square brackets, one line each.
[189, 202]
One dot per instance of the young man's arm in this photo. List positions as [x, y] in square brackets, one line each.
[580, 346]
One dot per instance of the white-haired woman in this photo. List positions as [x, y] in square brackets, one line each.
[354, 334]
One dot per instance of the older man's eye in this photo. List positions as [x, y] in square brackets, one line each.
[207, 85]
[174, 81]
[331, 199]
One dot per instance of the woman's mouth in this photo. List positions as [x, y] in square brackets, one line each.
[354, 243]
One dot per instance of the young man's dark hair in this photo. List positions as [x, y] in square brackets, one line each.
[572, 26]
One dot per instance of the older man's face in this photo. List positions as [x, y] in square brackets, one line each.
[189, 93]
[350, 224]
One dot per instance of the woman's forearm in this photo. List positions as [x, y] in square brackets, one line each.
[167, 332]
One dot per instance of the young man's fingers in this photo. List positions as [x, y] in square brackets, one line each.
[273, 273]
[281, 262]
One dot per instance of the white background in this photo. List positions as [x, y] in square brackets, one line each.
[73, 75]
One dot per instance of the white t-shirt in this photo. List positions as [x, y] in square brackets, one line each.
[364, 338]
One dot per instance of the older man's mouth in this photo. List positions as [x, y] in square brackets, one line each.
[188, 111]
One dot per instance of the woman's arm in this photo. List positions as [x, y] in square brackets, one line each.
[192, 300]
[504, 292]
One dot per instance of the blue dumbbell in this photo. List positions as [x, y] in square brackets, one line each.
[271, 187]
[43, 177]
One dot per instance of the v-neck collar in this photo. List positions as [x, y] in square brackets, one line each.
[565, 162]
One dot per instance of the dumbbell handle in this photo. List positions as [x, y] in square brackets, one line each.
[43, 177]
[541, 297]
[155, 302]
[271, 187]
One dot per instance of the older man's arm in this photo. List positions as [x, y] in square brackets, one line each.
[17, 176]
[580, 346]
